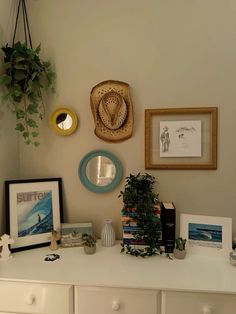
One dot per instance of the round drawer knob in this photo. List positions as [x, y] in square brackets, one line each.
[30, 299]
[207, 309]
[115, 305]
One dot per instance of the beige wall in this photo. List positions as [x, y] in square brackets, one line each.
[173, 54]
[9, 156]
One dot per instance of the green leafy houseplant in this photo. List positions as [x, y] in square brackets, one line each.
[180, 244]
[139, 201]
[179, 251]
[24, 76]
[88, 239]
[89, 242]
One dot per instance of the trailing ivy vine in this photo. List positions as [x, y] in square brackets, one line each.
[24, 76]
[140, 202]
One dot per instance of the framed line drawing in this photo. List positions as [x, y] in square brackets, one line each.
[181, 138]
[207, 235]
[34, 210]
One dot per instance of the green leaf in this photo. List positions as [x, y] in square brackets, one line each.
[32, 108]
[20, 67]
[7, 65]
[37, 50]
[25, 134]
[34, 75]
[20, 127]
[34, 134]
[31, 123]
[17, 94]
[19, 75]
[5, 97]
[5, 79]
[36, 144]
[19, 59]
[20, 114]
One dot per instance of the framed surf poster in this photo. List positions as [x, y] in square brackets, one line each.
[34, 210]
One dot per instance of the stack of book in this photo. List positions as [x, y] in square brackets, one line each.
[130, 228]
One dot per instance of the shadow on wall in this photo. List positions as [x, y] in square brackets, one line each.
[3, 212]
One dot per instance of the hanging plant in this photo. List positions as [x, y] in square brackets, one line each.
[140, 202]
[25, 76]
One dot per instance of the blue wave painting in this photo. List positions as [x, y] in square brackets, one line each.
[205, 233]
[37, 219]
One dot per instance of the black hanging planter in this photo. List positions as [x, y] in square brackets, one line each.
[24, 77]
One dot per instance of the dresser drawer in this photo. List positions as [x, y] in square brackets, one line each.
[198, 303]
[22, 297]
[89, 300]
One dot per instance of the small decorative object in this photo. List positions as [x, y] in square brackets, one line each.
[5, 253]
[51, 257]
[63, 121]
[54, 238]
[141, 209]
[71, 234]
[181, 138]
[232, 257]
[179, 251]
[89, 243]
[108, 236]
[24, 76]
[34, 209]
[112, 111]
[100, 171]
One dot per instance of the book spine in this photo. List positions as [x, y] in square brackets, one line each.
[168, 221]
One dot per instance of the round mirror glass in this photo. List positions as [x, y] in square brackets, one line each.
[63, 121]
[100, 171]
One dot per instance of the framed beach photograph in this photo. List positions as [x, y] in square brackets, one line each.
[34, 210]
[181, 138]
[71, 234]
[208, 235]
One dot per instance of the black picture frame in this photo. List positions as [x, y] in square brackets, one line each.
[34, 208]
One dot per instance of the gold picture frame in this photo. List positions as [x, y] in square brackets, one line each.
[191, 142]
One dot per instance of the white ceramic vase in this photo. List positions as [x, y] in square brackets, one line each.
[108, 234]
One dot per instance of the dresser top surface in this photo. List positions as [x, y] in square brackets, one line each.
[108, 267]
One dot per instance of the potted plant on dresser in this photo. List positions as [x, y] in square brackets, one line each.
[179, 251]
[89, 243]
[140, 216]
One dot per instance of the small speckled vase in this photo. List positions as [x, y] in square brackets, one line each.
[108, 234]
[90, 249]
[179, 254]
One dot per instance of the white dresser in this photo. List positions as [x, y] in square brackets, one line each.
[109, 282]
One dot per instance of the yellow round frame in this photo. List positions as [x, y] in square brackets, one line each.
[53, 121]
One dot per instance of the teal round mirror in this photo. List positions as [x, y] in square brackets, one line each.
[100, 171]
